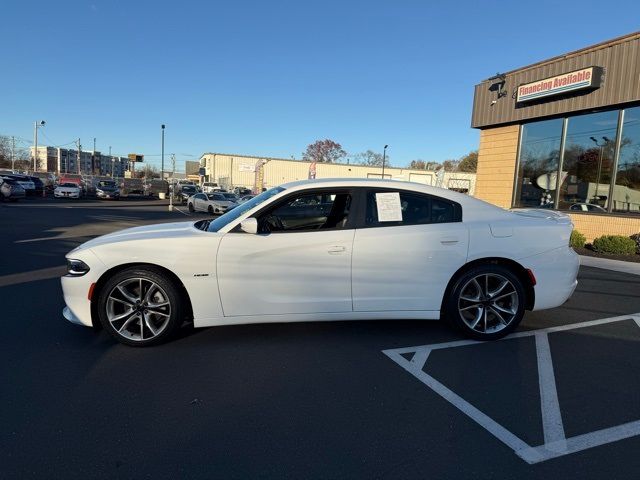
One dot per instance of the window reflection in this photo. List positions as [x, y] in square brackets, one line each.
[626, 193]
[588, 161]
[538, 171]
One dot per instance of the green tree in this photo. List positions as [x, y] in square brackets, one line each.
[469, 162]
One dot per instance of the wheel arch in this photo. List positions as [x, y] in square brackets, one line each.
[118, 268]
[512, 265]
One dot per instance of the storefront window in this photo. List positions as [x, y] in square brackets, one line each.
[626, 193]
[538, 171]
[588, 161]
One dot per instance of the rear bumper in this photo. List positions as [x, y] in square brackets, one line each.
[556, 275]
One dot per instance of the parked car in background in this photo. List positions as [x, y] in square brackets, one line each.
[48, 179]
[232, 197]
[38, 184]
[67, 190]
[241, 191]
[210, 187]
[11, 190]
[213, 203]
[327, 250]
[25, 182]
[131, 186]
[155, 186]
[244, 199]
[107, 189]
[71, 178]
[183, 192]
[587, 207]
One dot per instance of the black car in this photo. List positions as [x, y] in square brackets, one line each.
[39, 186]
[184, 192]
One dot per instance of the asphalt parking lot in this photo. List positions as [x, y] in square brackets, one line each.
[384, 399]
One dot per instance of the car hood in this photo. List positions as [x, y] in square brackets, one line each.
[147, 232]
[224, 203]
[68, 189]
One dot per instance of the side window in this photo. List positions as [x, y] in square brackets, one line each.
[308, 211]
[388, 208]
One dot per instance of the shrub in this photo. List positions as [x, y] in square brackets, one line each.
[614, 244]
[636, 238]
[577, 239]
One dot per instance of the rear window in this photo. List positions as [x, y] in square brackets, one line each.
[409, 208]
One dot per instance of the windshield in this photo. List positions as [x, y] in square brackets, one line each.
[107, 184]
[230, 196]
[69, 185]
[237, 212]
[188, 188]
[216, 196]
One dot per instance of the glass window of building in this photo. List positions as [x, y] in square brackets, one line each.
[538, 165]
[626, 193]
[588, 161]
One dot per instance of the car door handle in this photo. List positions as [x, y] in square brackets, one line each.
[334, 249]
[449, 240]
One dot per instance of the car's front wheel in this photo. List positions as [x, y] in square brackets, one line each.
[191, 209]
[486, 302]
[210, 210]
[140, 307]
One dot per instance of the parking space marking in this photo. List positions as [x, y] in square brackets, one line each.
[555, 442]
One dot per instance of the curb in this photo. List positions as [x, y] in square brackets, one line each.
[607, 264]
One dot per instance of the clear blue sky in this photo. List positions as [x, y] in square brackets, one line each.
[269, 77]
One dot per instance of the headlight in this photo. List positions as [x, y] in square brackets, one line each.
[76, 268]
[99, 191]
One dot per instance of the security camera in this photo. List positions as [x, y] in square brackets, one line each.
[494, 102]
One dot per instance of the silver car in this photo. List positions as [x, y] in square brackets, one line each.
[213, 203]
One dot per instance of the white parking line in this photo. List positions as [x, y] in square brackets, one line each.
[555, 442]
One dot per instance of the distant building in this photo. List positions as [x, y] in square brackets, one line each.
[231, 170]
[63, 160]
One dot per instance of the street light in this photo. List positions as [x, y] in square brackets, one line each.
[113, 166]
[36, 125]
[384, 157]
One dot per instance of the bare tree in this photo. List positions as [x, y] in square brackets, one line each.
[370, 158]
[469, 162]
[324, 151]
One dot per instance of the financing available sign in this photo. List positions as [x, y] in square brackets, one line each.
[567, 82]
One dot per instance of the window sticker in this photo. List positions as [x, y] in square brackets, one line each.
[389, 208]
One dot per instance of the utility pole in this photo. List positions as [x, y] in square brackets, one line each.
[78, 158]
[162, 167]
[13, 152]
[173, 169]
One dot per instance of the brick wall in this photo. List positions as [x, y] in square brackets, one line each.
[497, 164]
[593, 226]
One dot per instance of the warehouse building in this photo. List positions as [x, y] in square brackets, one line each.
[230, 170]
[564, 134]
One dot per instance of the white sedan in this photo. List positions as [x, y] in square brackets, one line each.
[213, 203]
[327, 250]
[67, 190]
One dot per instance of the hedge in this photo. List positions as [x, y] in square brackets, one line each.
[577, 239]
[615, 244]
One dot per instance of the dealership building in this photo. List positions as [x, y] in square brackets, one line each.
[564, 134]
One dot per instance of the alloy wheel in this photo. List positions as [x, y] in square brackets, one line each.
[138, 309]
[488, 303]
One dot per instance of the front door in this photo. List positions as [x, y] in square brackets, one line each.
[298, 263]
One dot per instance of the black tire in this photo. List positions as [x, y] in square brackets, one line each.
[497, 307]
[191, 209]
[210, 210]
[168, 289]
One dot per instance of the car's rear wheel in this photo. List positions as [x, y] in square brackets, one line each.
[486, 302]
[210, 210]
[140, 307]
[191, 209]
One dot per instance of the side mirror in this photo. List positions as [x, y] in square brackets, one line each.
[249, 225]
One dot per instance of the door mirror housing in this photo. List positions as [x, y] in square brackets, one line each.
[249, 225]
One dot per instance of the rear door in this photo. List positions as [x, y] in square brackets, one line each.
[406, 248]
